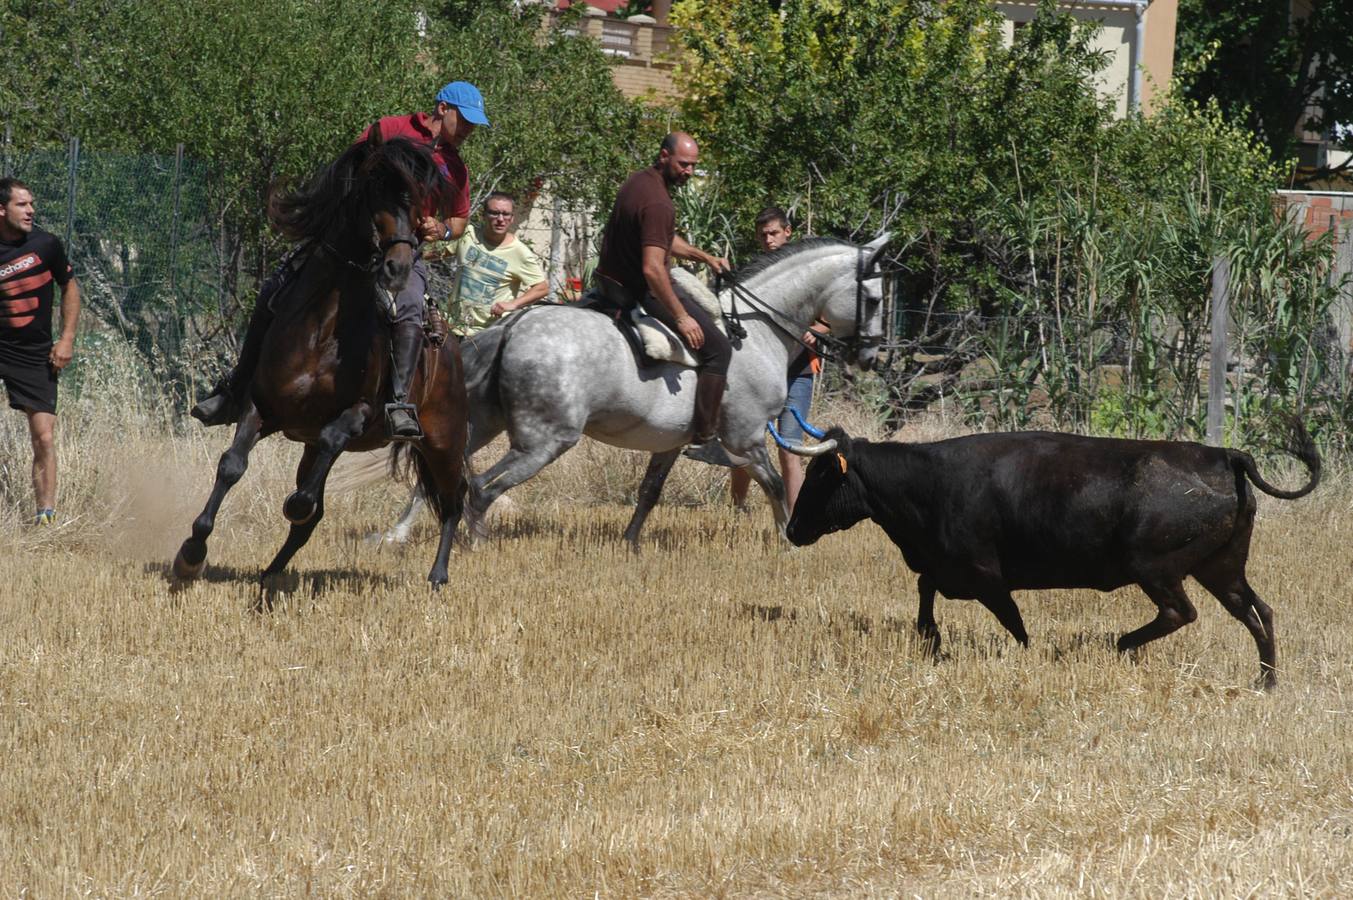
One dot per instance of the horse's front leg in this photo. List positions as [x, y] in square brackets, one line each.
[650, 489]
[771, 482]
[298, 535]
[304, 502]
[192, 556]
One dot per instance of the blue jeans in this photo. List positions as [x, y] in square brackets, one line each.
[800, 398]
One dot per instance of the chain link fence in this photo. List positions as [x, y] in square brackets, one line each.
[151, 261]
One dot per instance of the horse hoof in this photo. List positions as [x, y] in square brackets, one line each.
[299, 508]
[191, 560]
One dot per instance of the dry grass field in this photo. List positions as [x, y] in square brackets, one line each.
[719, 717]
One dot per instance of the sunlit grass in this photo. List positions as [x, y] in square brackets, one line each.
[720, 715]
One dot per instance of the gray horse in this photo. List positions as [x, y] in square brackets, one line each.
[551, 374]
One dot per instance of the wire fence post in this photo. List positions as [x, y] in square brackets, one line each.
[7, 171]
[174, 221]
[73, 164]
[556, 273]
[1217, 352]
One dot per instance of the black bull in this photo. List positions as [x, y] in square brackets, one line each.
[980, 516]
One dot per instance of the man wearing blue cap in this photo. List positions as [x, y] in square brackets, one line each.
[460, 108]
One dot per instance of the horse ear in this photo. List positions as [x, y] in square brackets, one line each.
[373, 134]
[875, 249]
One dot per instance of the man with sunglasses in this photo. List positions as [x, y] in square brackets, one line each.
[498, 273]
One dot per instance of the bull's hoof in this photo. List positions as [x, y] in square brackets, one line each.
[191, 560]
[299, 508]
[1267, 680]
[437, 579]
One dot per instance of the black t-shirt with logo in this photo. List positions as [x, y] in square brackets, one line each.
[29, 272]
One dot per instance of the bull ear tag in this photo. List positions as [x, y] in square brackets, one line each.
[841, 461]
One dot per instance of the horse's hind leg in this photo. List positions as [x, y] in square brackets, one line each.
[192, 556]
[398, 533]
[650, 489]
[441, 478]
[771, 482]
[303, 503]
[515, 467]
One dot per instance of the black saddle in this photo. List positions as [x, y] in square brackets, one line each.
[609, 298]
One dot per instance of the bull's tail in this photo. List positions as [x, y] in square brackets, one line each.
[1301, 447]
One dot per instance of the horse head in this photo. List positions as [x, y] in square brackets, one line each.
[364, 208]
[396, 178]
[855, 307]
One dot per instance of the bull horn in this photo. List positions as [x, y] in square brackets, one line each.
[800, 449]
[809, 429]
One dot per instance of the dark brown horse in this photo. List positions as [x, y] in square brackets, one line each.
[325, 365]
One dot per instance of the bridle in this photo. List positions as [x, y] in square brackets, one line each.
[379, 248]
[829, 347]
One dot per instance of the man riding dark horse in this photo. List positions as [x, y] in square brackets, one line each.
[459, 109]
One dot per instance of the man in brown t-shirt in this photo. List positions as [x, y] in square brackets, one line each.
[636, 250]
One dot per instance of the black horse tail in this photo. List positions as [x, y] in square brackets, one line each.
[406, 461]
[1300, 446]
[482, 355]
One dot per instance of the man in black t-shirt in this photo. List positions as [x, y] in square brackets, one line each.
[637, 247]
[32, 264]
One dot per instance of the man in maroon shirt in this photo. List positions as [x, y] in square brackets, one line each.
[32, 264]
[460, 108]
[636, 250]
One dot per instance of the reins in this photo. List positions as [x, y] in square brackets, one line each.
[829, 347]
[377, 253]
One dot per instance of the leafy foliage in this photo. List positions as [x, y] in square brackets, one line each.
[264, 93]
[1269, 69]
[1055, 261]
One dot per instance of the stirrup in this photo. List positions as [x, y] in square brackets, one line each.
[714, 453]
[390, 410]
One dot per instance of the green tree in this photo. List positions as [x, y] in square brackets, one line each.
[1271, 70]
[265, 93]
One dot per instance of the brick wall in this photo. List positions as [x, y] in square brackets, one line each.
[1319, 212]
[642, 50]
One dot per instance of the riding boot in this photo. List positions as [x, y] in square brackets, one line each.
[705, 446]
[224, 405]
[406, 346]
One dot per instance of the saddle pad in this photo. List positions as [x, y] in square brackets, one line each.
[661, 344]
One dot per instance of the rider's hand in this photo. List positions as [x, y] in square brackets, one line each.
[61, 354]
[810, 338]
[690, 332]
[501, 308]
[431, 229]
[719, 264]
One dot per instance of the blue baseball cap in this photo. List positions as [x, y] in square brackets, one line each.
[466, 98]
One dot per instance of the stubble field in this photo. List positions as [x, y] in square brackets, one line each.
[718, 717]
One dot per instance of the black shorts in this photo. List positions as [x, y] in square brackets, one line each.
[30, 380]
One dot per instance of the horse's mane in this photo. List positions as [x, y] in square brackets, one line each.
[366, 171]
[764, 261]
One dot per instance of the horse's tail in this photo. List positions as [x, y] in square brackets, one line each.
[482, 355]
[404, 460]
[355, 470]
